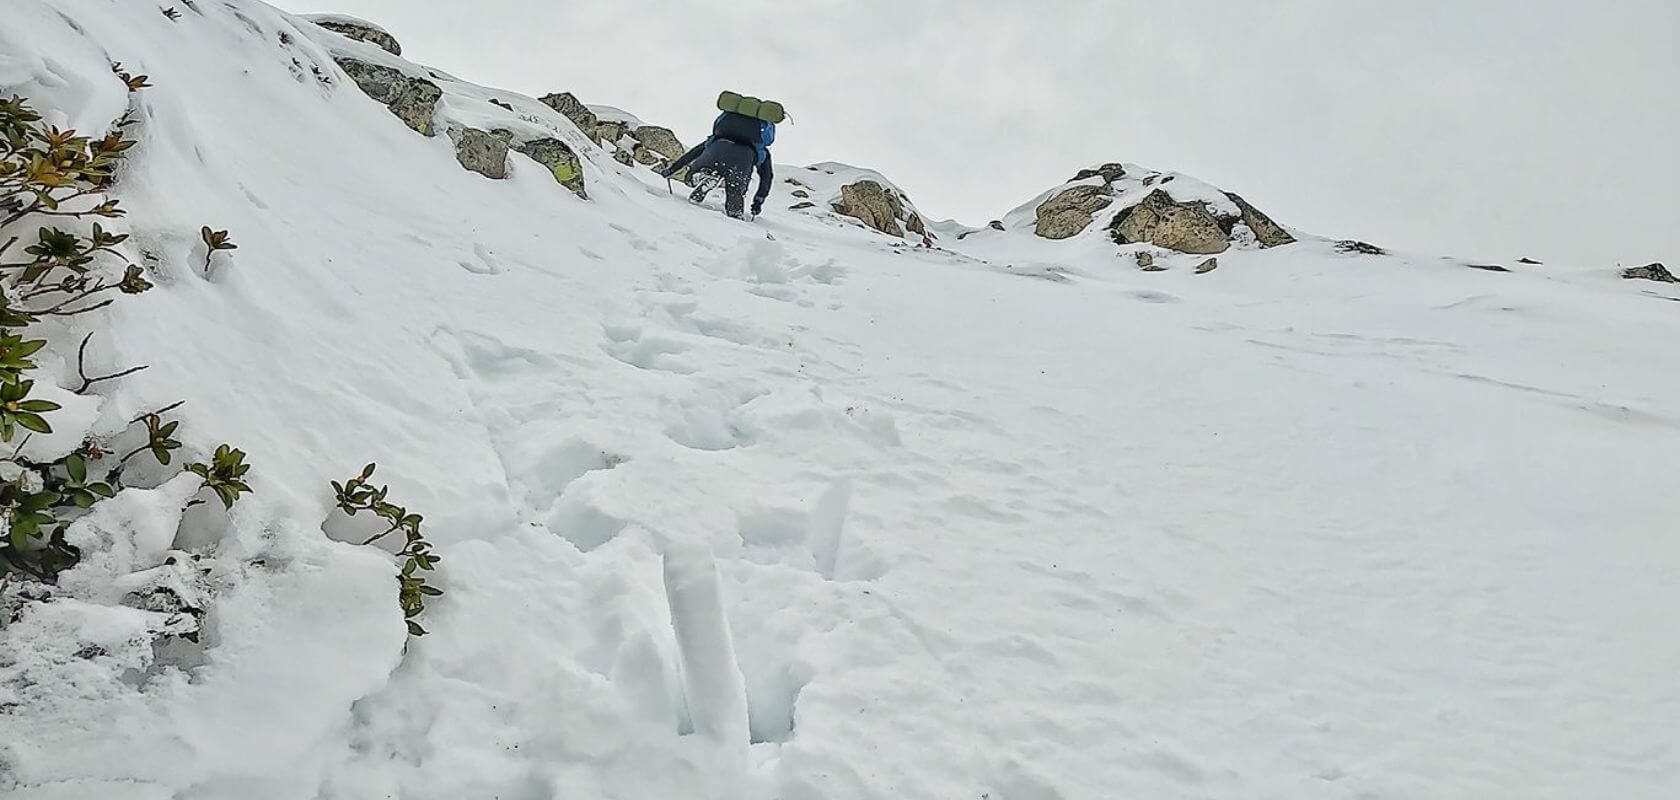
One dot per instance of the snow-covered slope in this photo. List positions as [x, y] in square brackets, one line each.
[794, 510]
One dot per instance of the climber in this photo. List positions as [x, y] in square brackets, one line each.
[738, 144]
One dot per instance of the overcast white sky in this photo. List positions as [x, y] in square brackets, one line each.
[1481, 128]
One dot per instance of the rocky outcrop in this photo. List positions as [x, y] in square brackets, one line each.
[874, 204]
[360, 30]
[656, 146]
[481, 152]
[1164, 222]
[413, 100]
[1266, 232]
[1072, 211]
[1650, 272]
[554, 154]
[573, 109]
[883, 208]
[1110, 173]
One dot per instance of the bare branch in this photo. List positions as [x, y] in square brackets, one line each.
[81, 368]
[158, 413]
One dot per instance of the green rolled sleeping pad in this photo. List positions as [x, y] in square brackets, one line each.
[767, 110]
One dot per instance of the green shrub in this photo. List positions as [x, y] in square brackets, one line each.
[58, 178]
[355, 496]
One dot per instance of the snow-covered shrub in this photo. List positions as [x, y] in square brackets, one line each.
[64, 270]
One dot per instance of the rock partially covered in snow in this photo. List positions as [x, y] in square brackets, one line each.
[656, 146]
[1109, 172]
[873, 204]
[481, 152]
[573, 109]
[359, 29]
[1650, 272]
[560, 160]
[413, 100]
[866, 196]
[1188, 227]
[1167, 210]
[1066, 214]
[1266, 232]
[627, 139]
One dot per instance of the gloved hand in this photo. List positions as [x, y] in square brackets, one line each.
[758, 206]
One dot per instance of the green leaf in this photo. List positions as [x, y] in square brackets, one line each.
[77, 467]
[39, 406]
[431, 591]
[38, 502]
[83, 498]
[414, 629]
[162, 455]
[33, 422]
[102, 489]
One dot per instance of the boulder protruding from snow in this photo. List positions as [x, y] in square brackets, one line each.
[1650, 272]
[1266, 232]
[1066, 214]
[656, 146]
[1109, 172]
[1136, 205]
[560, 160]
[873, 204]
[359, 29]
[413, 100]
[481, 152]
[573, 109]
[1188, 227]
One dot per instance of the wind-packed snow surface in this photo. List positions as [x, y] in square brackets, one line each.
[795, 510]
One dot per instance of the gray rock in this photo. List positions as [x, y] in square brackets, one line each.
[656, 146]
[564, 164]
[1145, 259]
[611, 133]
[413, 100]
[361, 32]
[798, 206]
[1070, 212]
[801, 193]
[573, 109]
[1356, 247]
[1207, 266]
[481, 152]
[1165, 222]
[1110, 173]
[870, 202]
[1269, 233]
[996, 224]
[1650, 272]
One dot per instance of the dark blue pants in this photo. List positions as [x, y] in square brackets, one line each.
[733, 162]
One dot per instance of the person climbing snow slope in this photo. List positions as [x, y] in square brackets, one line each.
[738, 144]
